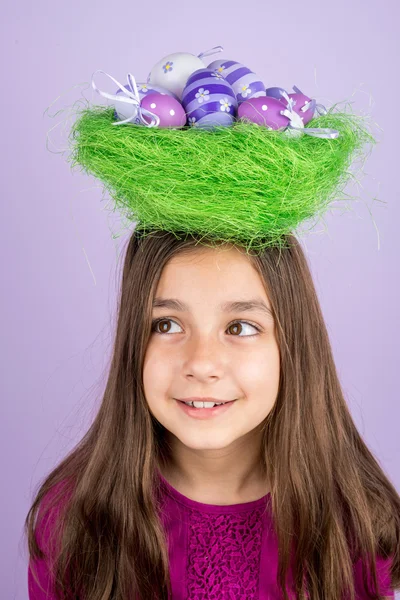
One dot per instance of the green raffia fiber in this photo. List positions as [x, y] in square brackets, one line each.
[242, 183]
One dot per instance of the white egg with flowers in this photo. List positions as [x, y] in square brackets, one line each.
[173, 71]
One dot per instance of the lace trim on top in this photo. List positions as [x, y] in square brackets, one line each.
[223, 548]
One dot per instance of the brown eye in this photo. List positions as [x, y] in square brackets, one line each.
[165, 327]
[163, 324]
[235, 326]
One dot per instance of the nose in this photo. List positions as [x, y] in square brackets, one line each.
[204, 357]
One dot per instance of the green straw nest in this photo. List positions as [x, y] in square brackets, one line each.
[242, 183]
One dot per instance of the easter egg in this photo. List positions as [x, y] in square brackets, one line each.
[209, 100]
[302, 105]
[124, 110]
[173, 71]
[245, 83]
[275, 92]
[264, 111]
[168, 109]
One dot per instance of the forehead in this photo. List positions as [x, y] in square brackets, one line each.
[211, 273]
[220, 260]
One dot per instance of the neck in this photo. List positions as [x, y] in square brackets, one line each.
[229, 475]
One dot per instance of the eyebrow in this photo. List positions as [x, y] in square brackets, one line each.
[254, 305]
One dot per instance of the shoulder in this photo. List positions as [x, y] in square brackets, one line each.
[49, 511]
[40, 570]
[383, 566]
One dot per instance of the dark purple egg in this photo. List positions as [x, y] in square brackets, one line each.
[264, 111]
[168, 109]
[300, 102]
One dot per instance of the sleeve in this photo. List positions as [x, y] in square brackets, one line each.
[383, 566]
[42, 589]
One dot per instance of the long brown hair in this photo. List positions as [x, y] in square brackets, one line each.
[331, 501]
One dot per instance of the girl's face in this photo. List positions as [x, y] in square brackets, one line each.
[211, 350]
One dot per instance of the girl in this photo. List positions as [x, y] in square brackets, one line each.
[271, 495]
[223, 463]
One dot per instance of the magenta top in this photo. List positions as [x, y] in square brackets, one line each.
[217, 552]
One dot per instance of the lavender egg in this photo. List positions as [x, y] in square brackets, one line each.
[275, 92]
[209, 100]
[244, 82]
[303, 106]
[123, 110]
[168, 109]
[264, 111]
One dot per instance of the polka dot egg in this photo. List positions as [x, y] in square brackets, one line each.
[302, 105]
[264, 111]
[209, 100]
[244, 82]
[169, 110]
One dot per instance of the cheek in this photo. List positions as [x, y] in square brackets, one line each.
[157, 373]
[259, 372]
[258, 379]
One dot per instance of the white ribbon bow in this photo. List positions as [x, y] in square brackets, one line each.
[129, 98]
[296, 122]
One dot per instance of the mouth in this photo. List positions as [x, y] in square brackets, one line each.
[204, 410]
[203, 403]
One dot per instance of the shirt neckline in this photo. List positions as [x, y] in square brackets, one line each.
[213, 508]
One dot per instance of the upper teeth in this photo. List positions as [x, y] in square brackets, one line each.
[204, 404]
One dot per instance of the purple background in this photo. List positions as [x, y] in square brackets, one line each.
[60, 262]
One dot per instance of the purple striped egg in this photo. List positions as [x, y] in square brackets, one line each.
[245, 83]
[209, 100]
[301, 106]
[263, 111]
[123, 110]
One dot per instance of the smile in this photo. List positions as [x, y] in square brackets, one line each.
[204, 410]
